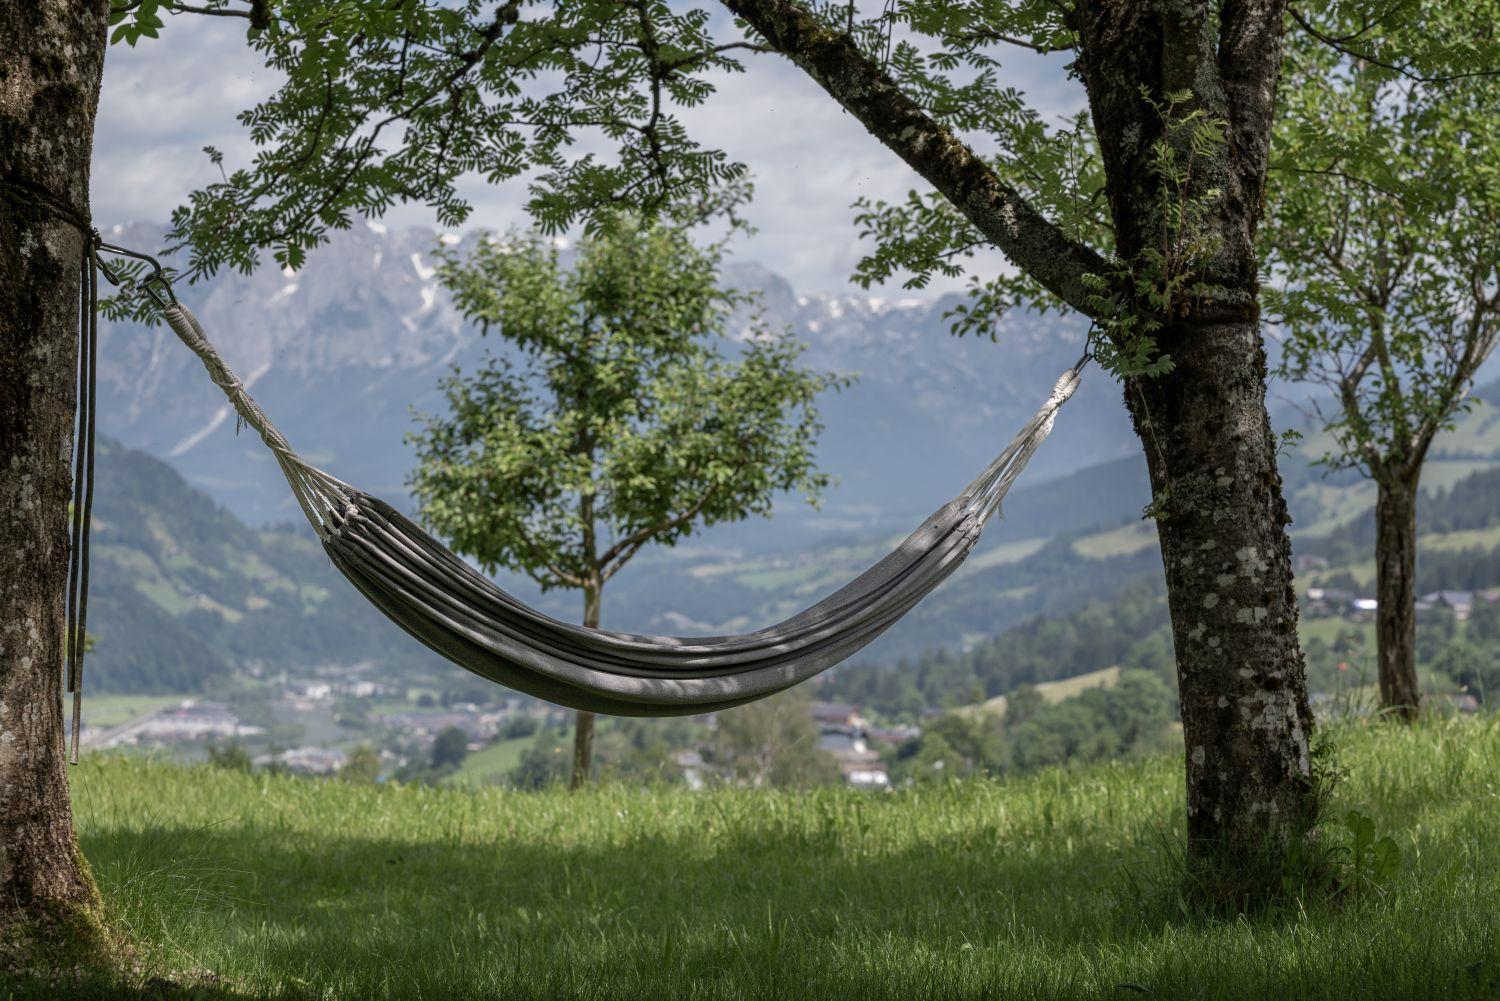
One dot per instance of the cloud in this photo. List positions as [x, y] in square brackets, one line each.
[164, 100]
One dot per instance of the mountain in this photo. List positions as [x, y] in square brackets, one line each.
[184, 593]
[341, 352]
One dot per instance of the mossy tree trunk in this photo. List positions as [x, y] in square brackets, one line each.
[1204, 427]
[1222, 523]
[1221, 516]
[51, 61]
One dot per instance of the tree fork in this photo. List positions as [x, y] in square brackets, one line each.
[51, 64]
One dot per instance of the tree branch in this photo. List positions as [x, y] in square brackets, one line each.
[1249, 65]
[858, 83]
[625, 548]
[1338, 44]
[541, 559]
[985, 35]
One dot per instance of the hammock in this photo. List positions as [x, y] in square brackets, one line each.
[453, 609]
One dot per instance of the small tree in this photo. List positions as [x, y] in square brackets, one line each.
[450, 748]
[1389, 270]
[362, 765]
[614, 421]
[773, 742]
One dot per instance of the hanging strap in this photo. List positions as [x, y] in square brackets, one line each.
[76, 635]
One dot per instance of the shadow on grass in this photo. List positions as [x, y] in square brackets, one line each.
[27, 986]
[281, 914]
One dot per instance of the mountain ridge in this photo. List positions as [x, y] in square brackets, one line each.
[343, 351]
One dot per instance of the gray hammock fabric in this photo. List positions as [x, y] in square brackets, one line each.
[459, 613]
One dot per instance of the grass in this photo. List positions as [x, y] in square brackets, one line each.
[106, 710]
[1477, 538]
[287, 887]
[1474, 435]
[495, 761]
[1330, 629]
[1057, 691]
[1122, 541]
[1003, 554]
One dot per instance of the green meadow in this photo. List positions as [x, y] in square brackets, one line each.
[1061, 884]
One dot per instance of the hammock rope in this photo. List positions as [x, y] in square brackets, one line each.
[450, 607]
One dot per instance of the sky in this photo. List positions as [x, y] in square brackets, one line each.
[164, 100]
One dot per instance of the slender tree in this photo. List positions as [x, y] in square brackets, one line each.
[1385, 245]
[615, 421]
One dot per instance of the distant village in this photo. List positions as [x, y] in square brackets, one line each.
[192, 725]
[1323, 602]
[338, 708]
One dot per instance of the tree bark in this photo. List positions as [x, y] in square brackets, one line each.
[51, 61]
[583, 728]
[1221, 519]
[1204, 426]
[1396, 598]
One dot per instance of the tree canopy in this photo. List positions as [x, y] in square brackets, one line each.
[1385, 196]
[614, 406]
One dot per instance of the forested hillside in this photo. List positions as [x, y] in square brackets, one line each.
[1125, 624]
[182, 591]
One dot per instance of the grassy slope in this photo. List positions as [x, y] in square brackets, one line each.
[493, 762]
[1057, 691]
[983, 889]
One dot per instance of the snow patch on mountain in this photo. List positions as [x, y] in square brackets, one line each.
[343, 355]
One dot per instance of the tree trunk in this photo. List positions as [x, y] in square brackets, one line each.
[1222, 523]
[583, 729]
[51, 60]
[1395, 592]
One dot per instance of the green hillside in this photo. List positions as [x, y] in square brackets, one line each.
[182, 590]
[1053, 885]
[1115, 612]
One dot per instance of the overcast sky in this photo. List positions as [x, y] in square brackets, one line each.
[166, 99]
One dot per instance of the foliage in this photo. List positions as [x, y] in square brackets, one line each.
[643, 750]
[617, 409]
[772, 742]
[1372, 861]
[281, 885]
[1385, 200]
[1128, 628]
[544, 763]
[449, 748]
[385, 103]
[231, 757]
[1126, 719]
[362, 765]
[1163, 279]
